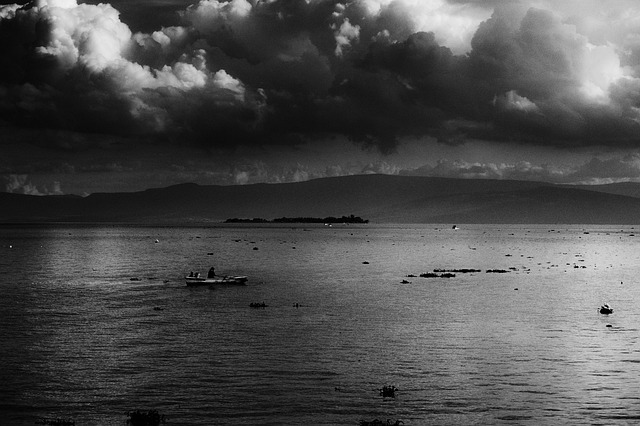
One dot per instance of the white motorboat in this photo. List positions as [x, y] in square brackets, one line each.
[216, 279]
[194, 278]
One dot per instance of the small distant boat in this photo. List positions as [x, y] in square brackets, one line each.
[455, 227]
[194, 279]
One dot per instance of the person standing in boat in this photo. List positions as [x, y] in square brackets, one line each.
[212, 273]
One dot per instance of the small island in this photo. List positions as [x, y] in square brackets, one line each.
[330, 219]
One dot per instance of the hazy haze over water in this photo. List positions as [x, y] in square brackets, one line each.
[79, 339]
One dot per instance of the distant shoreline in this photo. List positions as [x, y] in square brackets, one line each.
[381, 198]
[330, 219]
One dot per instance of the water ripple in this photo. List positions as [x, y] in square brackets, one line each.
[97, 321]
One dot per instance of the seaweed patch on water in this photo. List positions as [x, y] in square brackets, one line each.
[388, 391]
[378, 422]
[145, 418]
[451, 273]
[436, 275]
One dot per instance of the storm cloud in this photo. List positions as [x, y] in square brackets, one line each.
[223, 74]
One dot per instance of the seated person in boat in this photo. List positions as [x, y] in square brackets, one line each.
[212, 273]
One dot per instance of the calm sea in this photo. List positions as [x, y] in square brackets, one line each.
[96, 321]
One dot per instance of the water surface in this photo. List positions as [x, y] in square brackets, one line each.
[97, 321]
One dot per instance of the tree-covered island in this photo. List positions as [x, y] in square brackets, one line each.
[330, 219]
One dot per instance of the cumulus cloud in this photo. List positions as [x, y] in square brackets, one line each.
[81, 75]
[615, 169]
[514, 102]
[380, 167]
[21, 184]
[261, 172]
[597, 170]
[247, 72]
[345, 35]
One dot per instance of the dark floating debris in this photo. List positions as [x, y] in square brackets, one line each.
[55, 421]
[497, 271]
[461, 271]
[606, 309]
[378, 422]
[405, 282]
[145, 418]
[134, 279]
[609, 325]
[388, 391]
[210, 254]
[435, 275]
[258, 305]
[158, 308]
[411, 276]
[365, 263]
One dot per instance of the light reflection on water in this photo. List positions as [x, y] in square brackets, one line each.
[80, 339]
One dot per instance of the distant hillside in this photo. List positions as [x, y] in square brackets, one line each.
[378, 198]
[629, 189]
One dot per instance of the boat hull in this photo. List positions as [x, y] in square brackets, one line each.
[226, 280]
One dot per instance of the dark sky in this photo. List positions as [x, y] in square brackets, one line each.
[136, 94]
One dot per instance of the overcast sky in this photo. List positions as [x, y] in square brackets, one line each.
[129, 95]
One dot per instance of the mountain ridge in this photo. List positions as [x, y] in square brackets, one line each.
[378, 198]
